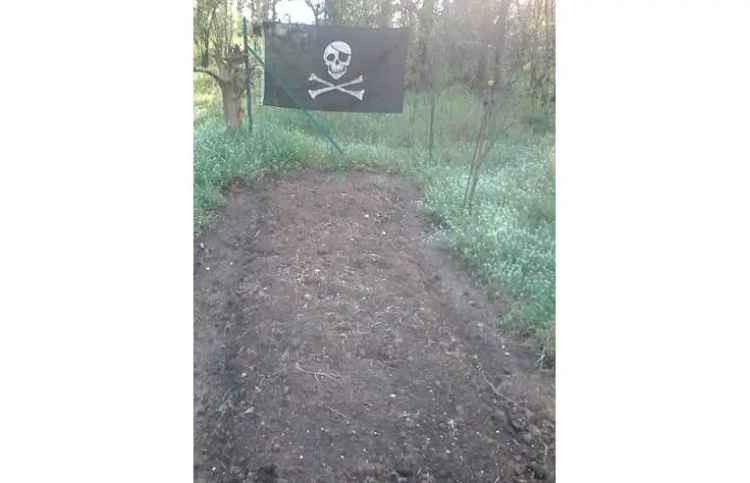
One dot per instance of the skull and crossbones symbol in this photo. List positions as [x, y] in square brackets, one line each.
[336, 57]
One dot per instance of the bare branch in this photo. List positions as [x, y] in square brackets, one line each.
[209, 72]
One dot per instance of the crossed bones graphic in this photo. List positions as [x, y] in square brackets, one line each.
[332, 87]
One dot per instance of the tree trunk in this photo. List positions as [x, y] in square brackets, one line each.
[426, 22]
[232, 99]
[331, 9]
[386, 13]
[500, 43]
[231, 82]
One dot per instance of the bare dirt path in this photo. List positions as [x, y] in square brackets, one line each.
[335, 343]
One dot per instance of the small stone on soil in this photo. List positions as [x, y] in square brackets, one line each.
[501, 419]
[539, 472]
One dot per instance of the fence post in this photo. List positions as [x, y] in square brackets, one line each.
[248, 94]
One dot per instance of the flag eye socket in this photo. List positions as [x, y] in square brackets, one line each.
[330, 57]
[344, 57]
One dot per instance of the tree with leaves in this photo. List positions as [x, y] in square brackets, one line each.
[449, 36]
[218, 53]
[317, 7]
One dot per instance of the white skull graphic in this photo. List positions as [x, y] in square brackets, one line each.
[337, 56]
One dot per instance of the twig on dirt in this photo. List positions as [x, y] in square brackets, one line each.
[267, 378]
[496, 391]
[338, 413]
[317, 374]
[540, 361]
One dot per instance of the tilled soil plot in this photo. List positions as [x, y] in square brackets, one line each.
[335, 343]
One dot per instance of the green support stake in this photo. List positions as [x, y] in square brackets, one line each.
[248, 94]
[315, 122]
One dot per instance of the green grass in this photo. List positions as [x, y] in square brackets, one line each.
[509, 237]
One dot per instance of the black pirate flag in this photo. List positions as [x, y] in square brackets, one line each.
[334, 68]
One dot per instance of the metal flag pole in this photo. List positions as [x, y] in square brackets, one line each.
[315, 122]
